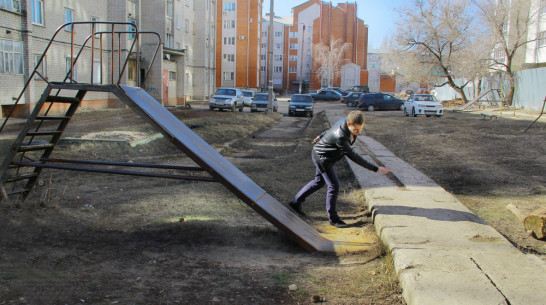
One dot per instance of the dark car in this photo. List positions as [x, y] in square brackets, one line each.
[380, 101]
[260, 102]
[360, 88]
[326, 95]
[351, 99]
[301, 104]
[340, 91]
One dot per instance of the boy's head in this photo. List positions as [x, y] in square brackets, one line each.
[355, 122]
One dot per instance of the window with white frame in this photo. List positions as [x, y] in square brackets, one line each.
[177, 22]
[36, 11]
[12, 5]
[131, 28]
[230, 6]
[186, 25]
[278, 34]
[262, 57]
[263, 68]
[42, 68]
[187, 80]
[499, 54]
[292, 69]
[68, 17]
[172, 75]
[293, 46]
[170, 9]
[11, 56]
[228, 75]
[541, 39]
[229, 57]
[278, 46]
[277, 57]
[169, 41]
[293, 58]
[543, 7]
[264, 45]
[277, 69]
[293, 34]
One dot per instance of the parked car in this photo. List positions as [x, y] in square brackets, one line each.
[248, 95]
[340, 91]
[260, 102]
[301, 104]
[326, 95]
[227, 98]
[360, 88]
[423, 104]
[351, 99]
[380, 101]
[422, 91]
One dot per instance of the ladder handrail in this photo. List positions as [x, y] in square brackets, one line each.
[136, 32]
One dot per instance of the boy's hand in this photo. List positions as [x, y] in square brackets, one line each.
[384, 170]
[315, 140]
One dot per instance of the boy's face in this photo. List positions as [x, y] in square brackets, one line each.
[355, 129]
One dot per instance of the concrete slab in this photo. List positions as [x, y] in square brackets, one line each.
[443, 253]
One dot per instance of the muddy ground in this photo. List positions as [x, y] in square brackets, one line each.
[87, 238]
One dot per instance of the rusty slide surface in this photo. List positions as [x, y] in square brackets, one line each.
[231, 177]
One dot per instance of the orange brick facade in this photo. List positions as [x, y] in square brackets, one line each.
[247, 43]
[337, 22]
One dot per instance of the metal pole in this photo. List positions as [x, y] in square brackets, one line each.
[270, 59]
[301, 57]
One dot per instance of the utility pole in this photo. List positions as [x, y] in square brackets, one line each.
[270, 58]
[301, 57]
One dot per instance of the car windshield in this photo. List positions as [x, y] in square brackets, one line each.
[247, 93]
[301, 98]
[261, 97]
[226, 92]
[426, 98]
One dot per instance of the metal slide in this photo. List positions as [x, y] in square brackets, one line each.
[226, 173]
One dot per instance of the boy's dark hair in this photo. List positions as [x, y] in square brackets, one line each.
[355, 117]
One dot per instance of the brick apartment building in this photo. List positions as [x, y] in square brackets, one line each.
[238, 44]
[312, 23]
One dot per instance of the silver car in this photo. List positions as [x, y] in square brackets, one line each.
[247, 97]
[423, 104]
[227, 98]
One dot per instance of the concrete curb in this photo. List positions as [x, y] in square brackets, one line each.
[443, 253]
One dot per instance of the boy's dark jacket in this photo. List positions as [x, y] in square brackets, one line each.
[336, 143]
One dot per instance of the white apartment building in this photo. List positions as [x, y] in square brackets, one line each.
[535, 55]
[280, 26]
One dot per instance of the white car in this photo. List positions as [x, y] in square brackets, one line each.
[247, 97]
[423, 104]
[227, 98]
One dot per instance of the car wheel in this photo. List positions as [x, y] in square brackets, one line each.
[401, 107]
[275, 109]
[241, 109]
[310, 114]
[350, 104]
[211, 108]
[371, 108]
[406, 112]
[289, 113]
[413, 112]
[233, 106]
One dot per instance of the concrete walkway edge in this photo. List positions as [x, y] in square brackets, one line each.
[442, 252]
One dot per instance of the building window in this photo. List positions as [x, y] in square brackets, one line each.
[172, 75]
[277, 69]
[177, 22]
[131, 68]
[186, 25]
[229, 24]
[11, 56]
[170, 9]
[278, 34]
[293, 58]
[278, 46]
[97, 72]
[95, 27]
[131, 28]
[12, 5]
[293, 34]
[169, 41]
[293, 46]
[74, 74]
[541, 39]
[229, 6]
[229, 75]
[278, 57]
[264, 45]
[229, 57]
[292, 69]
[37, 11]
[42, 69]
[499, 54]
[68, 17]
[187, 2]
[543, 7]
[187, 79]
[263, 68]
[262, 57]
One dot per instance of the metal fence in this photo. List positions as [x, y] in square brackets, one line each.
[530, 89]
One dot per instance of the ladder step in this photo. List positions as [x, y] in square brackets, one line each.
[43, 133]
[52, 117]
[24, 148]
[62, 99]
[21, 177]
[19, 191]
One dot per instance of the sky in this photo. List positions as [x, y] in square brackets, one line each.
[379, 15]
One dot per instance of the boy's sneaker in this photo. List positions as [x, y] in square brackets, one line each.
[338, 223]
[297, 208]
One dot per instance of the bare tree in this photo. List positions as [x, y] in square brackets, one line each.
[435, 42]
[508, 24]
[327, 59]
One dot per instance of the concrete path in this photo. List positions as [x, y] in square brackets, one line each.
[443, 253]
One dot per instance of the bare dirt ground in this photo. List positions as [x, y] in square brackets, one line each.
[85, 238]
[486, 164]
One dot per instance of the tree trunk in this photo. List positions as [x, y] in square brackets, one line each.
[461, 93]
[536, 223]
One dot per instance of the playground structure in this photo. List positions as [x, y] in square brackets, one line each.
[32, 150]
